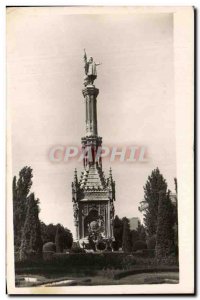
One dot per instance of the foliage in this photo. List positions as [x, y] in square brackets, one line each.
[49, 247]
[126, 238]
[77, 250]
[145, 253]
[91, 243]
[48, 233]
[101, 245]
[141, 232]
[175, 212]
[128, 261]
[165, 233]
[59, 240]
[21, 189]
[151, 242]
[31, 236]
[154, 187]
[85, 263]
[134, 237]
[109, 248]
[115, 246]
[118, 230]
[139, 245]
[170, 260]
[176, 185]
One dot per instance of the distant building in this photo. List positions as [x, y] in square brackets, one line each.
[134, 223]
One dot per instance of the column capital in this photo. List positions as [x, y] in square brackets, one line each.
[90, 90]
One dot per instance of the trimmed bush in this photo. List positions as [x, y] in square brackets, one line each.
[49, 247]
[77, 250]
[101, 246]
[145, 253]
[89, 263]
[47, 255]
[170, 260]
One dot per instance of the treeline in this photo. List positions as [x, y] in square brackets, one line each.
[126, 239]
[160, 229]
[160, 215]
[30, 234]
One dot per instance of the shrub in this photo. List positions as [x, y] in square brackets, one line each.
[17, 256]
[139, 245]
[77, 250]
[47, 255]
[148, 253]
[89, 263]
[101, 245]
[115, 246]
[170, 260]
[109, 249]
[49, 247]
[151, 242]
[128, 261]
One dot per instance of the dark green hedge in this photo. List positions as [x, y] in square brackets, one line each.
[87, 262]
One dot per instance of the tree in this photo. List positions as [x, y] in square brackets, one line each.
[48, 232]
[63, 238]
[118, 230]
[139, 245]
[68, 238]
[21, 189]
[31, 241]
[151, 242]
[59, 240]
[141, 232]
[165, 233]
[149, 206]
[176, 185]
[134, 237]
[176, 218]
[126, 237]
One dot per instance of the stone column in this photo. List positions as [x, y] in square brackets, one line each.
[77, 230]
[90, 94]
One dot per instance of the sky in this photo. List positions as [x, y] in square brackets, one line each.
[46, 106]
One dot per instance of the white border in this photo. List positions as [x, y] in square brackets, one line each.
[2, 111]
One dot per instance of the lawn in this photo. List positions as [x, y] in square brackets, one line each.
[96, 269]
[99, 279]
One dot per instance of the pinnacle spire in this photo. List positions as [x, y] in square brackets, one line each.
[75, 176]
[110, 173]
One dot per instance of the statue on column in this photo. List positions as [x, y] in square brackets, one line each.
[90, 70]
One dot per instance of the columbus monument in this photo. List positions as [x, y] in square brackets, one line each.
[93, 194]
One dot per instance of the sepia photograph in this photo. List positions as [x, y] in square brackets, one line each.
[100, 187]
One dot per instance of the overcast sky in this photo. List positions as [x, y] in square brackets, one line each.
[135, 103]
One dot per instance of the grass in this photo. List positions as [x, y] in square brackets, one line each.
[99, 279]
[102, 269]
[143, 278]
